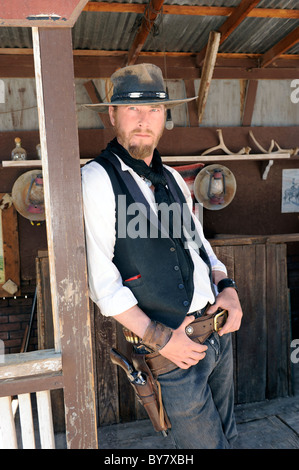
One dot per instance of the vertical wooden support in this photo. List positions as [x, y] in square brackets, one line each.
[54, 73]
[26, 420]
[207, 72]
[44, 410]
[249, 102]
[8, 437]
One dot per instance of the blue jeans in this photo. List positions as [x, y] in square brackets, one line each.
[199, 401]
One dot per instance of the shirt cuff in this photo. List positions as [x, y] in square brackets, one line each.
[117, 303]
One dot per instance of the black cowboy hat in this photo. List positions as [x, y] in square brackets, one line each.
[140, 84]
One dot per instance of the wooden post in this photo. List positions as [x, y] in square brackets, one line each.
[65, 230]
[207, 72]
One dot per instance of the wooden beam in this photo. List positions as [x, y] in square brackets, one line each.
[251, 91]
[179, 66]
[192, 105]
[37, 383]
[233, 21]
[31, 363]
[207, 72]
[65, 230]
[46, 14]
[150, 14]
[96, 98]
[282, 46]
[192, 10]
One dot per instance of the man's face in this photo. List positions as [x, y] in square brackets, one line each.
[138, 128]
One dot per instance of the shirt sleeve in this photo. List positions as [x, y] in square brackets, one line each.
[216, 264]
[105, 283]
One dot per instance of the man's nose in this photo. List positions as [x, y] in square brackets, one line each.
[143, 117]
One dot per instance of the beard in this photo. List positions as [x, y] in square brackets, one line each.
[142, 151]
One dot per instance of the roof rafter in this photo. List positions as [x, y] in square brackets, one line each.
[238, 15]
[282, 46]
[195, 10]
[151, 12]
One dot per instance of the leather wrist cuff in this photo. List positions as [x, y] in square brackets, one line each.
[156, 336]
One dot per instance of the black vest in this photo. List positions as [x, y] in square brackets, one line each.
[154, 267]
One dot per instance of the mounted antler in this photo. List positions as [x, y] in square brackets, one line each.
[292, 152]
[222, 146]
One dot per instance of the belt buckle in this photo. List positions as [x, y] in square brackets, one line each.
[220, 314]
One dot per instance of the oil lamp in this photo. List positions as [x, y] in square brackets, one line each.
[216, 188]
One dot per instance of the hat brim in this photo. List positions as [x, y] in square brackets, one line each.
[19, 193]
[103, 107]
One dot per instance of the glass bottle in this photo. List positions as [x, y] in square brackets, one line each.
[18, 153]
[38, 151]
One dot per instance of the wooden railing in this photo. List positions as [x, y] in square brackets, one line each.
[21, 376]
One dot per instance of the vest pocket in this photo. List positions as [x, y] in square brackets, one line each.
[133, 281]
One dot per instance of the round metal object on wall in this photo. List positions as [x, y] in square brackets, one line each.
[28, 195]
[202, 187]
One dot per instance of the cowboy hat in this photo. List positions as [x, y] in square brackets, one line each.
[140, 84]
[28, 195]
[204, 192]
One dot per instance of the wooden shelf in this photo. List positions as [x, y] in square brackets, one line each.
[171, 160]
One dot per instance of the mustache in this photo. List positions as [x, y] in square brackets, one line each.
[140, 131]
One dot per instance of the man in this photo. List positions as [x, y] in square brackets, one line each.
[157, 284]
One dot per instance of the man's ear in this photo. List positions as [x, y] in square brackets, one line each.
[111, 115]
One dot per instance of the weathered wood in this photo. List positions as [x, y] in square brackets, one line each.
[222, 240]
[278, 322]
[11, 247]
[179, 65]
[150, 14]
[26, 420]
[207, 72]
[30, 13]
[251, 91]
[66, 243]
[51, 381]
[30, 363]
[194, 10]
[232, 22]
[282, 46]
[107, 381]
[45, 419]
[96, 98]
[8, 437]
[251, 338]
[175, 160]
[266, 433]
[262, 355]
[45, 332]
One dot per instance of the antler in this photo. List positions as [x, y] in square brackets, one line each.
[273, 144]
[222, 146]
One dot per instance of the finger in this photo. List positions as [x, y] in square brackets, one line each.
[187, 320]
[192, 361]
[230, 326]
[213, 308]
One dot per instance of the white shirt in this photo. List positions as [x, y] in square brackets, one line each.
[105, 282]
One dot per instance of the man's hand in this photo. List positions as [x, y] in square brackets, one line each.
[182, 350]
[228, 299]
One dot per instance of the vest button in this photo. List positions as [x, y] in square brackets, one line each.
[172, 248]
[176, 268]
[181, 286]
[185, 303]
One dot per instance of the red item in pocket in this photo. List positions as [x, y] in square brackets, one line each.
[133, 278]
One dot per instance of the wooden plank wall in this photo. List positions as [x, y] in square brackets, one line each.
[261, 346]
